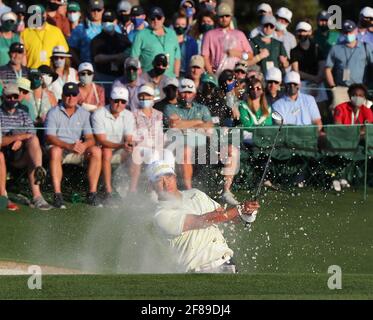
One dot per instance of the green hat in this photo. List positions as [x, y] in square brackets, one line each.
[73, 7]
[206, 77]
[38, 8]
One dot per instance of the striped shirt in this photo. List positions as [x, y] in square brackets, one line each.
[17, 122]
[149, 131]
[7, 73]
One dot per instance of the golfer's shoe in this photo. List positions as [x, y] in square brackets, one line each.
[40, 175]
[92, 200]
[41, 204]
[344, 183]
[336, 185]
[228, 197]
[300, 184]
[58, 202]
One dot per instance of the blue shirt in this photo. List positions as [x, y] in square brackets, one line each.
[366, 37]
[188, 48]
[65, 128]
[355, 59]
[301, 112]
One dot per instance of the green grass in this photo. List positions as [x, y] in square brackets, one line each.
[286, 254]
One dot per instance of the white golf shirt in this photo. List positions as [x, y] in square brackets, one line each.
[103, 122]
[197, 250]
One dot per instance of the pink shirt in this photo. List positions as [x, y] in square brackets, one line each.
[216, 42]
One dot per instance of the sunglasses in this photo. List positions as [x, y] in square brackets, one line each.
[85, 73]
[59, 58]
[156, 18]
[268, 25]
[256, 88]
[122, 101]
[96, 10]
[224, 16]
[187, 86]
[23, 91]
[69, 95]
[12, 97]
[273, 82]
[18, 51]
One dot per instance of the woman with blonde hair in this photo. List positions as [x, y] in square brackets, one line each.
[60, 63]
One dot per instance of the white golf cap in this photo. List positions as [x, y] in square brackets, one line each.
[124, 6]
[303, 26]
[264, 7]
[85, 66]
[274, 74]
[171, 82]
[284, 13]
[119, 93]
[292, 77]
[146, 88]
[158, 169]
[187, 85]
[367, 12]
[9, 16]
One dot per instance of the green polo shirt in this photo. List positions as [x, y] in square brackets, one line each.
[250, 119]
[147, 45]
[326, 41]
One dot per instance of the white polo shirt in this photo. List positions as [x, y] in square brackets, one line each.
[103, 122]
[196, 250]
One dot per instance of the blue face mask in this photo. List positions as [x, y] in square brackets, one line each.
[231, 86]
[189, 12]
[145, 104]
[108, 27]
[350, 38]
[137, 22]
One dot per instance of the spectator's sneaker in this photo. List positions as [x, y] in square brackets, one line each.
[12, 206]
[58, 202]
[41, 204]
[110, 201]
[92, 200]
[229, 198]
[40, 175]
[337, 185]
[344, 183]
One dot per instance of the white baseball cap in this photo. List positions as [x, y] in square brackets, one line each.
[367, 12]
[274, 74]
[171, 82]
[292, 77]
[146, 88]
[85, 66]
[303, 26]
[119, 93]
[264, 7]
[187, 85]
[284, 13]
[158, 169]
[124, 6]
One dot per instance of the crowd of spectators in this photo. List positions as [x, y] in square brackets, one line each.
[103, 85]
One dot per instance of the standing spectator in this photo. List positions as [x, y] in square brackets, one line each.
[284, 16]
[325, 38]
[62, 66]
[124, 9]
[188, 46]
[264, 9]
[21, 145]
[157, 39]
[39, 41]
[20, 9]
[208, 5]
[91, 95]
[366, 25]
[189, 8]
[14, 68]
[7, 35]
[73, 14]
[66, 125]
[273, 80]
[196, 69]
[347, 63]
[131, 80]
[223, 47]
[268, 51]
[114, 129]
[170, 91]
[57, 19]
[108, 49]
[82, 35]
[205, 22]
[157, 75]
[138, 18]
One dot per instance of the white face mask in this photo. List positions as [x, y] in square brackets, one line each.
[144, 104]
[47, 79]
[280, 26]
[86, 79]
[73, 16]
[59, 63]
[358, 101]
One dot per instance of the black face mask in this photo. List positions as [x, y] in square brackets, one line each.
[10, 104]
[170, 92]
[124, 18]
[159, 71]
[324, 28]
[53, 6]
[303, 38]
[291, 90]
[180, 30]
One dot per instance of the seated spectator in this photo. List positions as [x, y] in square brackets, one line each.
[108, 49]
[26, 97]
[157, 75]
[20, 144]
[14, 68]
[92, 95]
[73, 14]
[138, 19]
[283, 16]
[10, 205]
[273, 80]
[114, 128]
[170, 92]
[60, 64]
[240, 70]
[7, 35]
[20, 9]
[131, 80]
[205, 22]
[39, 41]
[188, 45]
[57, 19]
[354, 111]
[69, 135]
[196, 69]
